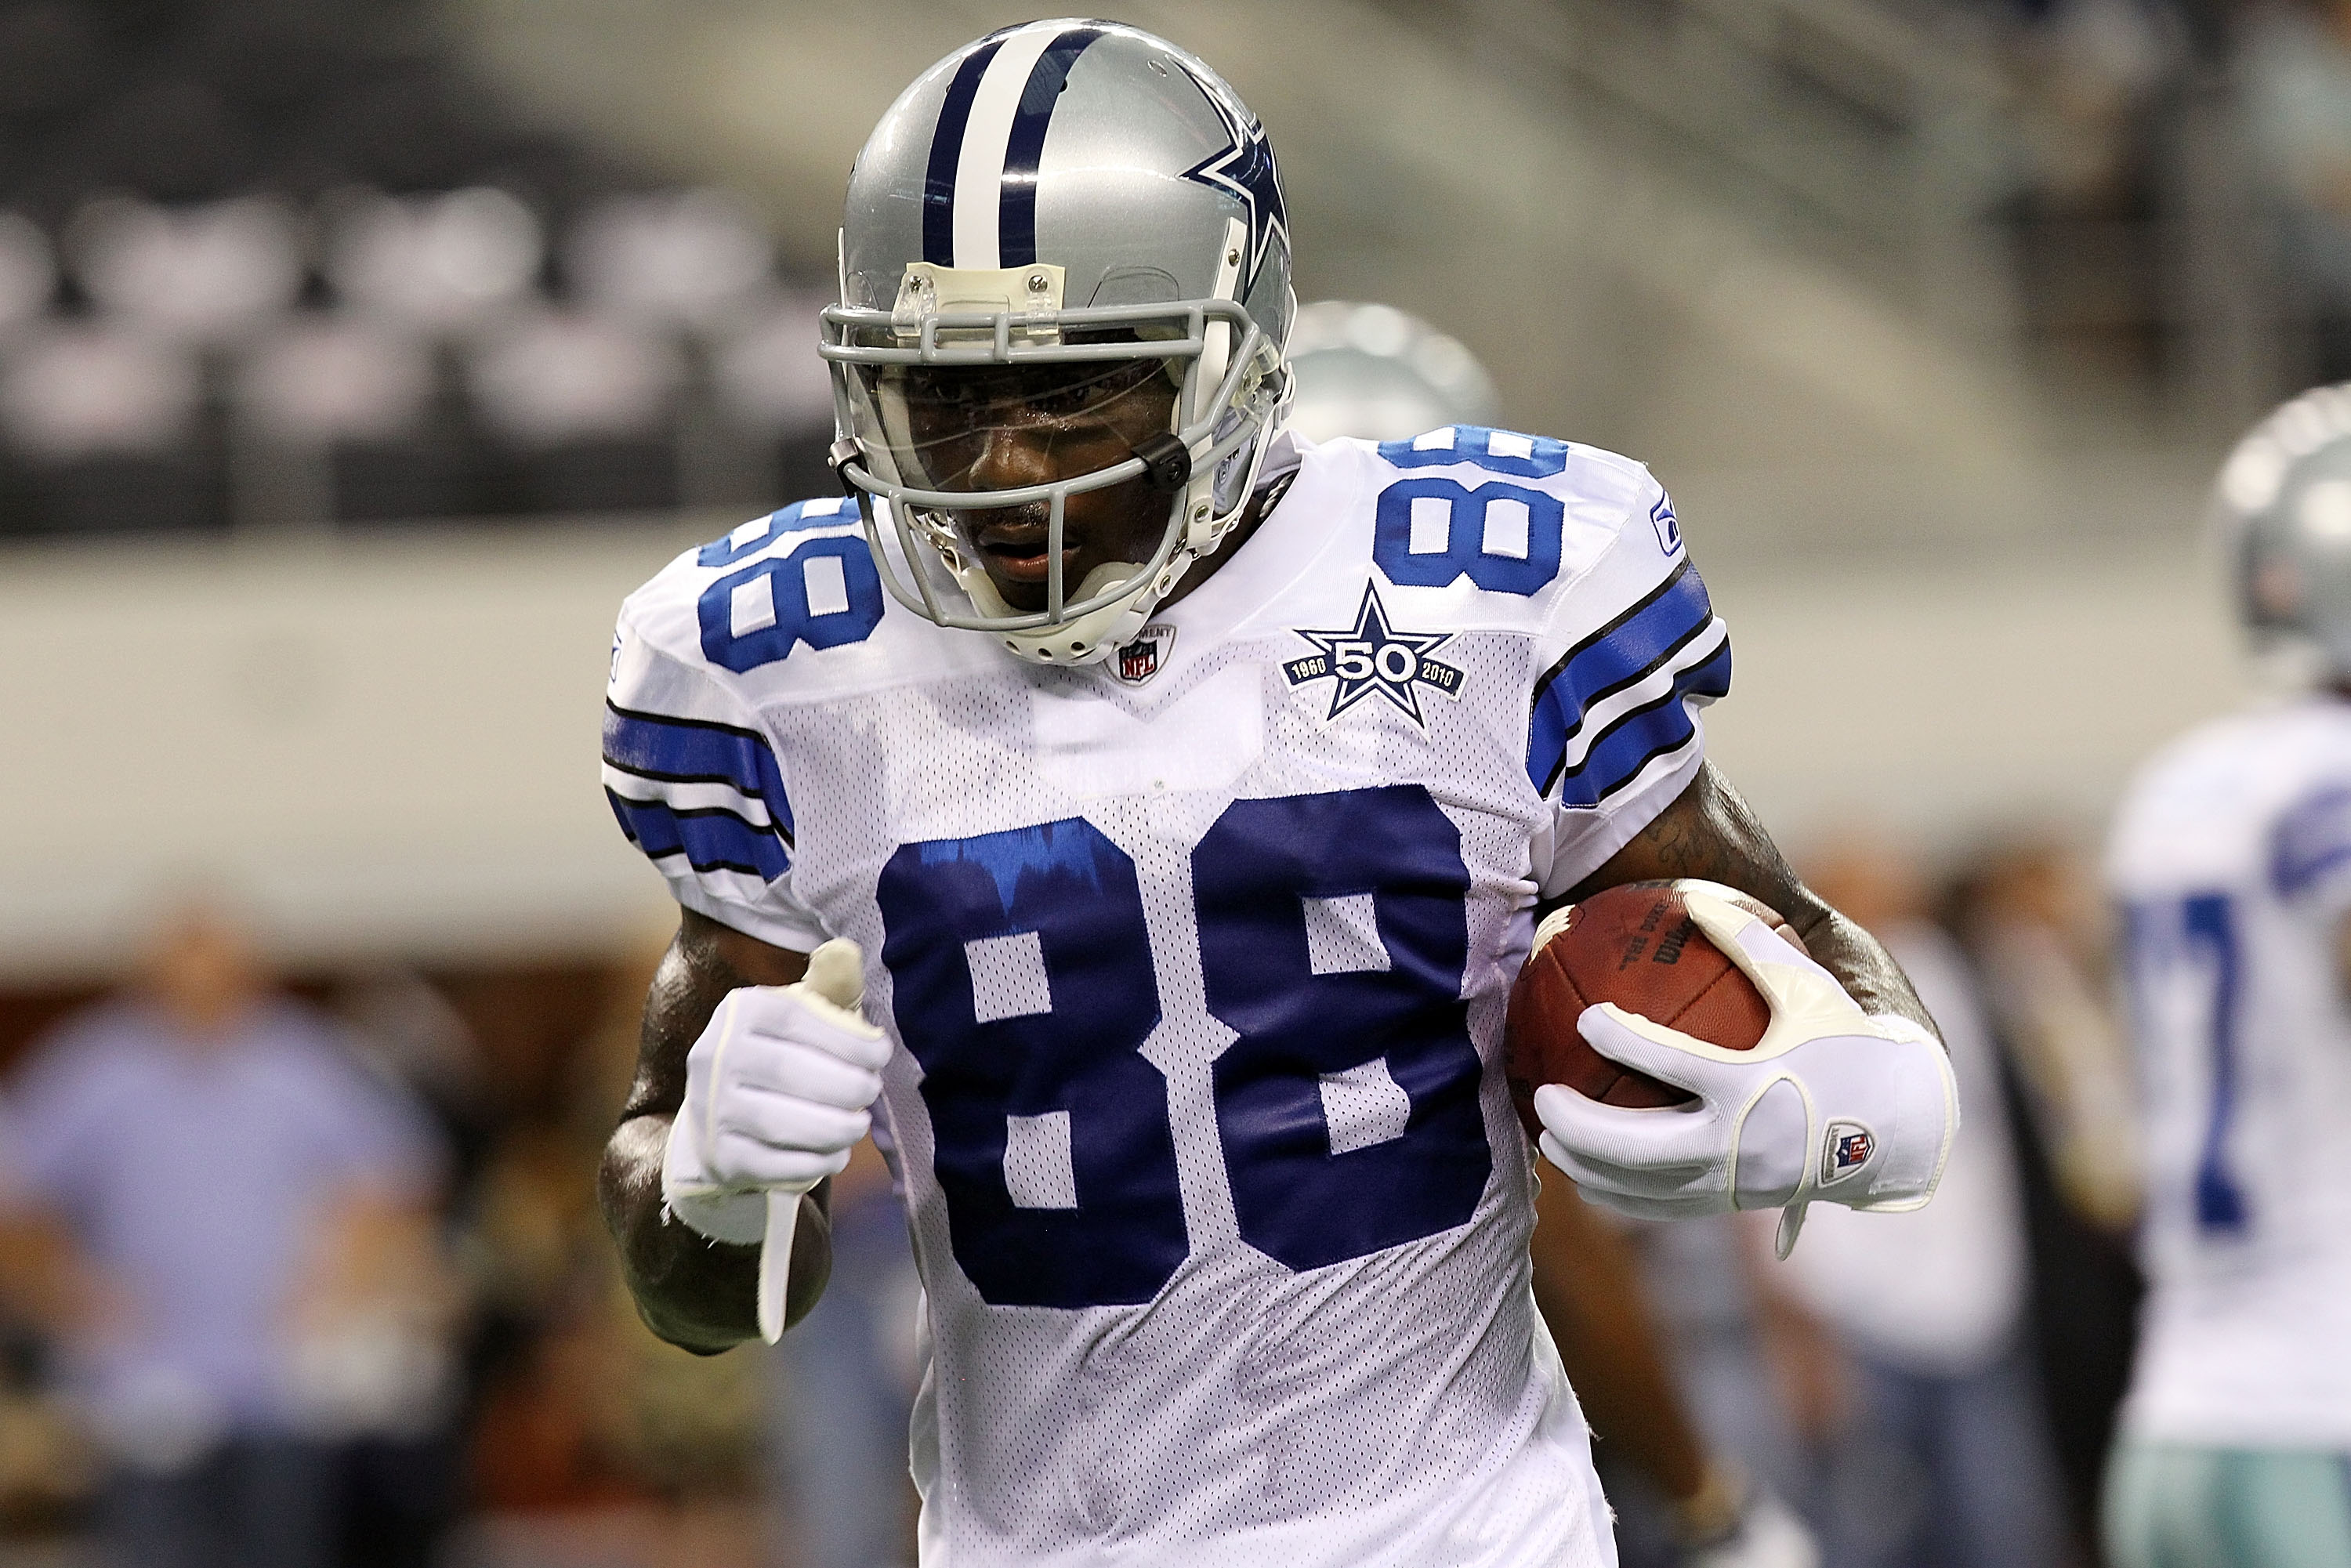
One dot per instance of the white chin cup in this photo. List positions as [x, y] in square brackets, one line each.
[1090, 637]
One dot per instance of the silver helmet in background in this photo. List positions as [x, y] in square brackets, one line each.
[2283, 505]
[1372, 371]
[1068, 193]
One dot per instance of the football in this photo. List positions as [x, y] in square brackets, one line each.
[1637, 946]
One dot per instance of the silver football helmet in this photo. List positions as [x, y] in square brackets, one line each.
[2283, 505]
[1373, 372]
[1082, 207]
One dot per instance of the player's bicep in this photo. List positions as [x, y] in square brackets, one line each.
[705, 961]
[1709, 830]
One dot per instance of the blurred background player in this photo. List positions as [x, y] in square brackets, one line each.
[225, 1221]
[1378, 374]
[2232, 855]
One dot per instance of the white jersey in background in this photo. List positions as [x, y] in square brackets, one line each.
[1196, 961]
[2232, 859]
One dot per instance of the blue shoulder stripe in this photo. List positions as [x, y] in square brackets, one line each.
[1640, 736]
[1639, 642]
[697, 751]
[710, 838]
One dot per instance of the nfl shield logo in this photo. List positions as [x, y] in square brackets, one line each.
[1848, 1149]
[1140, 660]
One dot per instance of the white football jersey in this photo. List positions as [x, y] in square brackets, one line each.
[2232, 859]
[1196, 962]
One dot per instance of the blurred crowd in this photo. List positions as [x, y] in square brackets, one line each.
[311, 1273]
[286, 262]
[1940, 1388]
[278, 262]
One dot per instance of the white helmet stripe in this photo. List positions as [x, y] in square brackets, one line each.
[979, 164]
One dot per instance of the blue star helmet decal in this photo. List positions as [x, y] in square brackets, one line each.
[1372, 658]
[1245, 171]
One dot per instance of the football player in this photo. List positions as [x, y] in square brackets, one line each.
[2232, 857]
[1152, 811]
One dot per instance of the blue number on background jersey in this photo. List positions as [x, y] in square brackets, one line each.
[1023, 982]
[1022, 979]
[2164, 934]
[824, 594]
[2209, 921]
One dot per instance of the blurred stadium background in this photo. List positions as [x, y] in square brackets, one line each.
[357, 356]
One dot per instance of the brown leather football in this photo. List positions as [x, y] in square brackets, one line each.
[1636, 946]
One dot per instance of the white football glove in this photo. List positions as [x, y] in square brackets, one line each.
[776, 1091]
[1832, 1105]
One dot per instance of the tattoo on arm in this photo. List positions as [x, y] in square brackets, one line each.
[1710, 831]
[691, 1291]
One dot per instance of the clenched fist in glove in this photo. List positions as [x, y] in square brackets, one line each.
[1832, 1105]
[776, 1091]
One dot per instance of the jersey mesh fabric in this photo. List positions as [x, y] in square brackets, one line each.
[2247, 1232]
[1398, 1406]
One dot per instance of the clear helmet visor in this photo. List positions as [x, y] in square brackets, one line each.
[971, 429]
[998, 433]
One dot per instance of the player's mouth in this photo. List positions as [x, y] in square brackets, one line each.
[1014, 542]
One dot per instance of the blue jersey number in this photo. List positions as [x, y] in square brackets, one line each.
[1023, 984]
[824, 594]
[2202, 930]
[1431, 529]
[1334, 939]
[1372, 1042]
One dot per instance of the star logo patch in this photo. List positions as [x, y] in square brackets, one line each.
[1244, 170]
[1372, 658]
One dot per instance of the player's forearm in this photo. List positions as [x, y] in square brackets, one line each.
[1590, 1294]
[1711, 832]
[691, 1291]
[1861, 964]
[694, 1291]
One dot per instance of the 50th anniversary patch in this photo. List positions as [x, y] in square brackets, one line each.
[1372, 657]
